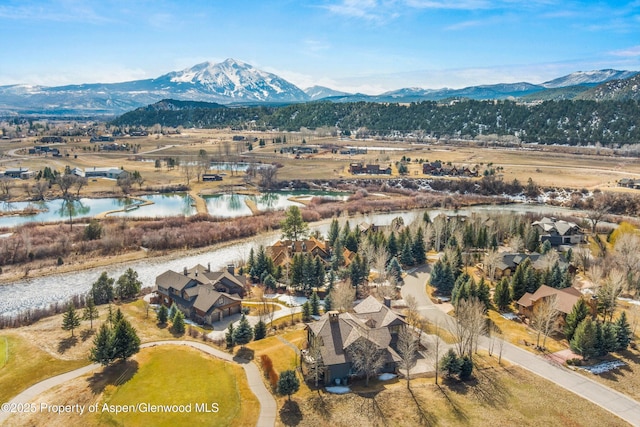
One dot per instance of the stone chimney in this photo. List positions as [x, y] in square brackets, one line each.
[333, 316]
[208, 267]
[185, 271]
[387, 302]
[231, 269]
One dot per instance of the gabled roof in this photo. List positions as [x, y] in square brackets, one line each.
[208, 298]
[370, 321]
[566, 297]
[171, 279]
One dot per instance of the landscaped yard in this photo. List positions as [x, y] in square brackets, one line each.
[517, 333]
[23, 364]
[498, 396]
[168, 375]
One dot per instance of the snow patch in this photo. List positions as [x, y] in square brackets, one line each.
[340, 389]
[386, 377]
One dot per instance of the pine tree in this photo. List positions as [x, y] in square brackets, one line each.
[163, 315]
[319, 272]
[584, 339]
[90, 312]
[288, 383]
[502, 294]
[102, 289]
[328, 303]
[102, 351]
[228, 337]
[243, 334]
[395, 270]
[334, 232]
[418, 249]
[483, 293]
[466, 367]
[518, 284]
[392, 245]
[128, 285]
[177, 323]
[314, 301]
[450, 363]
[607, 339]
[125, 340]
[70, 319]
[578, 313]
[406, 255]
[260, 330]
[306, 311]
[623, 332]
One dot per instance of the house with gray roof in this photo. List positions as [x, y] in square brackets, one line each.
[510, 261]
[559, 232]
[337, 332]
[201, 294]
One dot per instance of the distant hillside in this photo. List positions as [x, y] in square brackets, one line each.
[550, 122]
[615, 90]
[555, 94]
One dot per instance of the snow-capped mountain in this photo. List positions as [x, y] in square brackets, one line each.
[235, 82]
[618, 90]
[231, 81]
[588, 78]
[228, 82]
[320, 92]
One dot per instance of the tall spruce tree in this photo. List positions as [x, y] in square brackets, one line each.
[502, 294]
[243, 333]
[623, 332]
[70, 319]
[260, 330]
[584, 341]
[90, 312]
[102, 351]
[102, 289]
[125, 340]
[314, 302]
[578, 313]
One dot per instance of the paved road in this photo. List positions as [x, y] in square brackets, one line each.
[268, 407]
[607, 398]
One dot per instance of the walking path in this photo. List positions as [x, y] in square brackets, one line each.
[603, 396]
[268, 407]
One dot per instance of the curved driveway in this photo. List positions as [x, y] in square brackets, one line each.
[267, 416]
[603, 396]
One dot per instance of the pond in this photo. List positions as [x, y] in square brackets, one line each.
[234, 205]
[59, 210]
[164, 205]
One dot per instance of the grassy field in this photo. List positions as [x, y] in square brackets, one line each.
[497, 396]
[26, 364]
[519, 334]
[154, 377]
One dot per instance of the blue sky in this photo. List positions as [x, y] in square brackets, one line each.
[369, 46]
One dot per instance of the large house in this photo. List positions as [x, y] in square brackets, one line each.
[566, 298]
[559, 232]
[108, 172]
[370, 321]
[510, 261]
[361, 168]
[282, 251]
[203, 295]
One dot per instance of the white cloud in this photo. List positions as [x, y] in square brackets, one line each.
[628, 52]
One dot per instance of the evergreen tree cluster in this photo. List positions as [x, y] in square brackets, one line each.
[572, 122]
[118, 340]
[591, 338]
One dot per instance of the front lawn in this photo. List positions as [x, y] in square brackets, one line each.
[173, 375]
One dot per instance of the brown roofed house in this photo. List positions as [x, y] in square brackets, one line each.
[371, 321]
[201, 294]
[566, 299]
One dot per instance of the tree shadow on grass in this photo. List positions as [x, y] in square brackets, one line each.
[66, 343]
[116, 374]
[321, 406]
[290, 414]
[458, 411]
[370, 407]
[425, 418]
[86, 334]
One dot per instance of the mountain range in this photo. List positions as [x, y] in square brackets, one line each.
[233, 82]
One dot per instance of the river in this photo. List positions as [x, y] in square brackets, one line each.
[37, 292]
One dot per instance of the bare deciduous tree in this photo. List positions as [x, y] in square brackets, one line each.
[491, 260]
[627, 256]
[598, 211]
[78, 183]
[516, 243]
[407, 348]
[6, 184]
[471, 323]
[40, 189]
[65, 182]
[412, 315]
[316, 366]
[268, 175]
[342, 296]
[366, 358]
[544, 319]
[609, 292]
